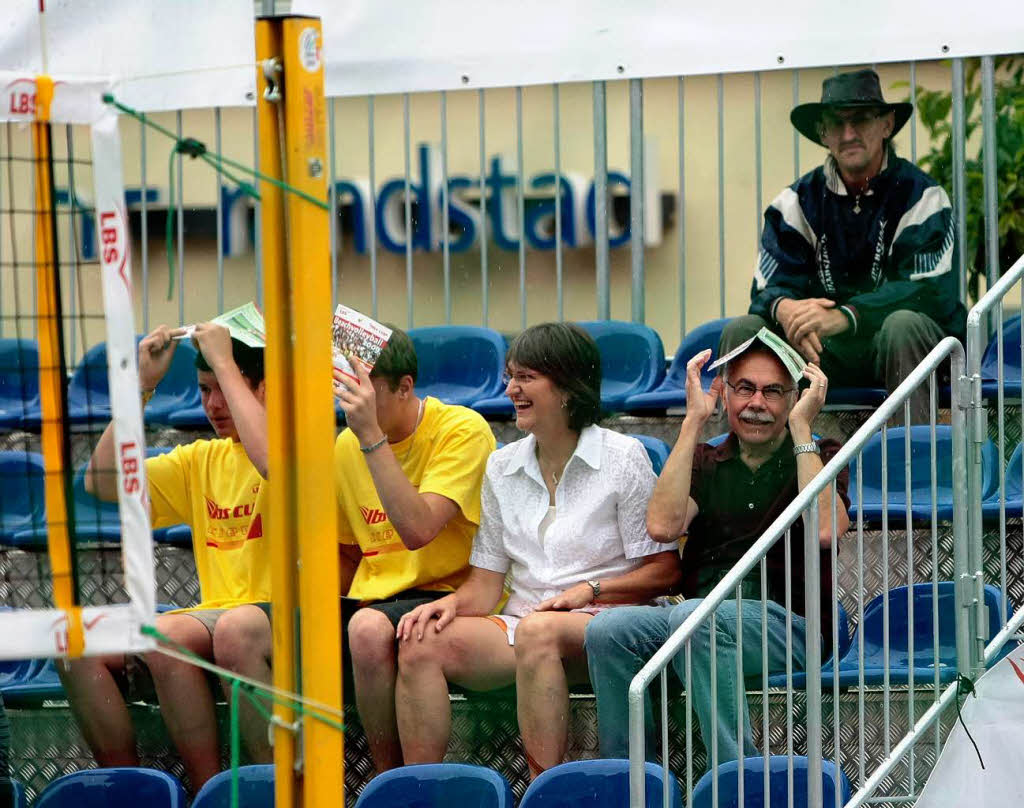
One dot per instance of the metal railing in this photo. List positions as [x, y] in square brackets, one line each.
[806, 506]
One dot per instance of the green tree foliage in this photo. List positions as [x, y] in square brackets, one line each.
[934, 109]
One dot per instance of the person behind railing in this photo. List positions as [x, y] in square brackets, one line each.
[717, 501]
[857, 260]
[563, 520]
[218, 488]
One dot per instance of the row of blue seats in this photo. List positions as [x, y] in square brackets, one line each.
[579, 784]
[33, 681]
[23, 512]
[457, 364]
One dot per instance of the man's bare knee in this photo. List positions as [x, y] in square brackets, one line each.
[371, 638]
[242, 639]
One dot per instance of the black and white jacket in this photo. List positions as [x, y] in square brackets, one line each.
[890, 247]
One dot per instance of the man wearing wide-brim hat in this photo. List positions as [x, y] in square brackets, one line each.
[856, 267]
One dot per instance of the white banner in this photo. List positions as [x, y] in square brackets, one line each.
[114, 239]
[160, 55]
[42, 633]
[994, 718]
[391, 46]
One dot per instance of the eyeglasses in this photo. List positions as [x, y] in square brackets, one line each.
[833, 124]
[521, 378]
[773, 393]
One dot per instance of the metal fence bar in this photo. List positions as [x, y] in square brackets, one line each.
[144, 228]
[990, 178]
[482, 138]
[805, 500]
[258, 235]
[406, 126]
[1001, 448]
[601, 258]
[371, 145]
[681, 201]
[812, 650]
[861, 706]
[446, 260]
[758, 168]
[636, 198]
[721, 195]
[913, 117]
[73, 251]
[556, 118]
[180, 196]
[909, 495]
[521, 207]
[220, 212]
[796, 135]
[959, 143]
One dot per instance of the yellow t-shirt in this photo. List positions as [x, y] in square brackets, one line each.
[212, 486]
[446, 455]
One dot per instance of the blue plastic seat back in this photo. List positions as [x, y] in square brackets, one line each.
[18, 797]
[1011, 353]
[594, 784]
[22, 506]
[459, 364]
[632, 359]
[434, 784]
[19, 383]
[114, 788]
[921, 464]
[88, 390]
[728, 775]
[923, 629]
[704, 336]
[178, 389]
[656, 448]
[255, 789]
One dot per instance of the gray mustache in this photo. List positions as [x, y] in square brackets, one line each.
[757, 417]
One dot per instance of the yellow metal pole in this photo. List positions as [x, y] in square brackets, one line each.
[53, 397]
[316, 524]
[280, 413]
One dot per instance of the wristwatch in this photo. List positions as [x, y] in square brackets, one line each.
[596, 586]
[806, 448]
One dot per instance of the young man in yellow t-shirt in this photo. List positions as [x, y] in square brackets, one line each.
[408, 473]
[218, 488]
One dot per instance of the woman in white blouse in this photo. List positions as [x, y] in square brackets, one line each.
[563, 517]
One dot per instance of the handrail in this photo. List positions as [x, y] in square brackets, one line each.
[806, 500]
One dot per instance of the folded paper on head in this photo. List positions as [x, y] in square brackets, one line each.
[793, 362]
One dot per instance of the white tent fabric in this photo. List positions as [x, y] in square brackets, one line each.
[994, 718]
[389, 46]
[159, 55]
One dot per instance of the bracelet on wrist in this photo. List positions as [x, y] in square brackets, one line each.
[373, 446]
[806, 448]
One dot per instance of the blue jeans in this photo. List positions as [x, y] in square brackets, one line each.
[619, 642]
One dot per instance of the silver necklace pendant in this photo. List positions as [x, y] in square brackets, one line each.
[856, 204]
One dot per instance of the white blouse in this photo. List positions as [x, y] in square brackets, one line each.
[599, 529]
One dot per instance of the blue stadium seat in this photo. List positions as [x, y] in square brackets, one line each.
[255, 789]
[178, 389]
[16, 673]
[672, 390]
[727, 775]
[632, 360]
[459, 364]
[1011, 362]
[96, 521]
[799, 677]
[43, 684]
[923, 661]
[114, 788]
[176, 536]
[18, 798]
[656, 448]
[434, 784]
[19, 384]
[23, 505]
[595, 784]
[1014, 506]
[920, 460]
[88, 390]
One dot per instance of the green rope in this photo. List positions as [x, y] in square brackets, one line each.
[251, 690]
[197, 149]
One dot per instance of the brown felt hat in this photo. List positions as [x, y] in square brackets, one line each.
[847, 90]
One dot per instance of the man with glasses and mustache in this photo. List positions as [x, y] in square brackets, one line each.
[857, 256]
[717, 501]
